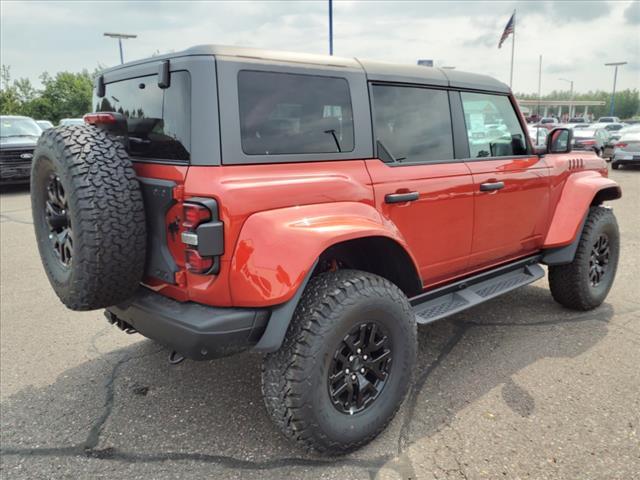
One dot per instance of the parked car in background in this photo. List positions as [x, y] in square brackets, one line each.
[590, 139]
[71, 121]
[549, 123]
[44, 124]
[608, 120]
[578, 120]
[18, 138]
[627, 148]
[538, 135]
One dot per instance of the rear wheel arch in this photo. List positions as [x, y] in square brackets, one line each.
[379, 255]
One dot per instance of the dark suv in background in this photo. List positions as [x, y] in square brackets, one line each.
[18, 138]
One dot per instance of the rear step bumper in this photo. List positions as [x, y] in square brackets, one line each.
[193, 330]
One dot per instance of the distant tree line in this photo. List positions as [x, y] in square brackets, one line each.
[65, 95]
[627, 102]
[68, 94]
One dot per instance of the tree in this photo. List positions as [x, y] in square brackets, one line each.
[65, 95]
[9, 101]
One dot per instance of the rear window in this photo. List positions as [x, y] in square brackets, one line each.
[158, 120]
[284, 113]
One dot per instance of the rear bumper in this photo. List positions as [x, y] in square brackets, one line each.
[193, 330]
[626, 158]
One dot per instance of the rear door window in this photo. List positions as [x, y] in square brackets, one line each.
[284, 113]
[158, 120]
[493, 129]
[412, 124]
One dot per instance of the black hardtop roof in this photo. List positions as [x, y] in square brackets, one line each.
[375, 71]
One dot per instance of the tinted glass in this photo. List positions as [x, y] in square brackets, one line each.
[493, 129]
[412, 124]
[283, 113]
[158, 120]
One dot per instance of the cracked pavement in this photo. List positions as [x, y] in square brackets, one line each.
[515, 388]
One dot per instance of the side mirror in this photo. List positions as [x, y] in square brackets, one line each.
[560, 140]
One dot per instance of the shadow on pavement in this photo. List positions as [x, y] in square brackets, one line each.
[130, 405]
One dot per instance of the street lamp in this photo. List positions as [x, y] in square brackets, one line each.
[570, 96]
[615, 78]
[120, 36]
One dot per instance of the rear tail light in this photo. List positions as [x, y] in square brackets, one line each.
[195, 263]
[621, 145]
[203, 236]
[100, 118]
[194, 215]
[587, 142]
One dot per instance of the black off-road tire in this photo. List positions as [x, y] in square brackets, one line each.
[294, 379]
[615, 165]
[570, 284]
[105, 215]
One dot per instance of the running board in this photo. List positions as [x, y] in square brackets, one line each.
[445, 301]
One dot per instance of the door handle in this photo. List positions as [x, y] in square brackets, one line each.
[491, 186]
[401, 197]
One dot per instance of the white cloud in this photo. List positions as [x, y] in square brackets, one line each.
[575, 38]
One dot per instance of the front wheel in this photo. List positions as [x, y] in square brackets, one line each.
[584, 283]
[346, 362]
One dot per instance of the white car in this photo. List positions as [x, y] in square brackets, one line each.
[627, 148]
[538, 135]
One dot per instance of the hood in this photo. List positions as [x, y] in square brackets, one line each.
[26, 141]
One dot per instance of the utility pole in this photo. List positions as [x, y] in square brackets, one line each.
[120, 36]
[539, 83]
[513, 49]
[615, 78]
[330, 27]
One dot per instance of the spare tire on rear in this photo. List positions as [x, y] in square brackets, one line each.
[88, 216]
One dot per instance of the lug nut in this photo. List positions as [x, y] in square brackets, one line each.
[364, 357]
[362, 370]
[346, 371]
[359, 350]
[351, 358]
[353, 377]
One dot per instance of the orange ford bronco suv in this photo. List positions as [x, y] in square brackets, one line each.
[314, 209]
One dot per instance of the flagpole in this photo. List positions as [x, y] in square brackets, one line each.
[513, 47]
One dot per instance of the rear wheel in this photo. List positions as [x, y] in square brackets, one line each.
[584, 283]
[615, 165]
[345, 365]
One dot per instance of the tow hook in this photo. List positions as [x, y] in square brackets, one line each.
[175, 358]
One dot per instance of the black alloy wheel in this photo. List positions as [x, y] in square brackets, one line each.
[58, 220]
[360, 368]
[599, 260]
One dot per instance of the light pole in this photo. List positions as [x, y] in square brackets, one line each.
[330, 27]
[615, 78]
[120, 36]
[570, 96]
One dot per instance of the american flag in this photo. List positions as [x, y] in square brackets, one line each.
[508, 30]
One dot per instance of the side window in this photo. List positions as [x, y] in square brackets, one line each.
[412, 124]
[493, 129]
[284, 113]
[158, 120]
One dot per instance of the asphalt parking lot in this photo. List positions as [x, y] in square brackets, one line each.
[516, 388]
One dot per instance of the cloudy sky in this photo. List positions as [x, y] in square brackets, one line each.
[574, 37]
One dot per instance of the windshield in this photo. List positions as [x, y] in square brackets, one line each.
[19, 127]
